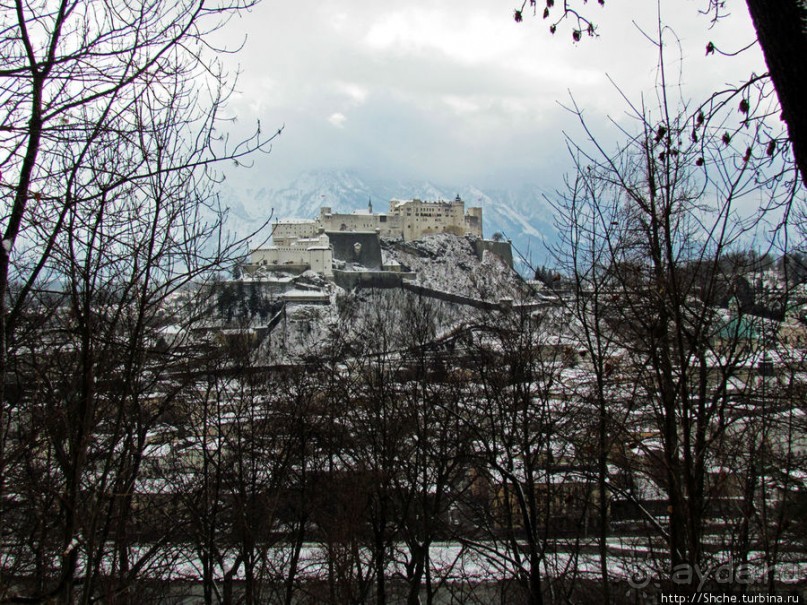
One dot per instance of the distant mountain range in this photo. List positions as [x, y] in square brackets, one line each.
[521, 215]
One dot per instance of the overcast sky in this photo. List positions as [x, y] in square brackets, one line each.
[454, 91]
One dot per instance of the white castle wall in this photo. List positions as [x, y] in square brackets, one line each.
[419, 218]
[285, 233]
[313, 253]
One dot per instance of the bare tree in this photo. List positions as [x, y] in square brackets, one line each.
[520, 446]
[434, 457]
[108, 126]
[650, 229]
[583, 253]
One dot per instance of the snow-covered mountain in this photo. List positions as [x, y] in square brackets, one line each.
[521, 215]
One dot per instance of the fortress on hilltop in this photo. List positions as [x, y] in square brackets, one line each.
[302, 244]
[407, 220]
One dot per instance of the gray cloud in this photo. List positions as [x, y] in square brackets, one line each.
[452, 91]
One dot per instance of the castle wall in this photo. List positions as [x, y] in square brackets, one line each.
[473, 222]
[313, 253]
[501, 249]
[285, 233]
[350, 280]
[320, 259]
[387, 226]
[361, 248]
[419, 218]
[422, 290]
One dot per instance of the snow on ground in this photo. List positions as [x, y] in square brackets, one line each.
[487, 561]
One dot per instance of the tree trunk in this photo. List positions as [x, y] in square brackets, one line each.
[380, 561]
[782, 33]
[602, 477]
[419, 560]
[536, 591]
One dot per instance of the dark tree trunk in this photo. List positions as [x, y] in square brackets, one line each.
[782, 33]
[380, 560]
[419, 565]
